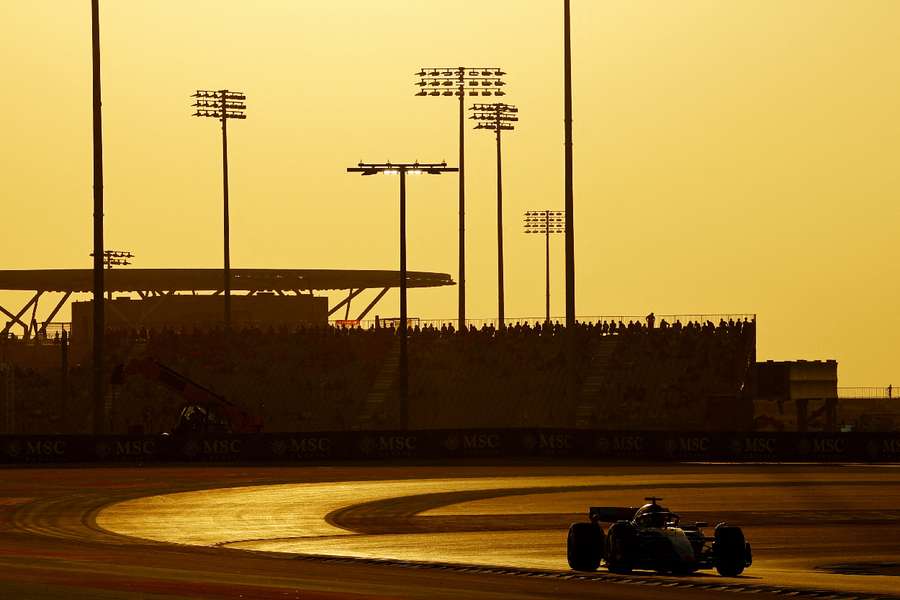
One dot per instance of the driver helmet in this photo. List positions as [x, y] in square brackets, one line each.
[653, 515]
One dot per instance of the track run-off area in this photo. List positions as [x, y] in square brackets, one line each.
[413, 531]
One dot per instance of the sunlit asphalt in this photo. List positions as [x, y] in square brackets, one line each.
[798, 518]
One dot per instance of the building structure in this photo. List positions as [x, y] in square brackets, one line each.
[803, 382]
[175, 297]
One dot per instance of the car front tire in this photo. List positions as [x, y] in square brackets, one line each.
[620, 543]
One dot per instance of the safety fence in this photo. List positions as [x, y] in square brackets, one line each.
[561, 444]
[47, 333]
[701, 318]
[868, 393]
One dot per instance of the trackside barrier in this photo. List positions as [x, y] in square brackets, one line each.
[454, 444]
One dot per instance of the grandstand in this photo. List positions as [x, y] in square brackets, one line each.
[680, 375]
[630, 376]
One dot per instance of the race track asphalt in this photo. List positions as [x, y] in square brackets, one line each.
[428, 531]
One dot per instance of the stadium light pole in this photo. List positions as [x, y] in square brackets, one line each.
[571, 342]
[222, 105]
[569, 193]
[99, 325]
[461, 82]
[545, 222]
[497, 117]
[402, 169]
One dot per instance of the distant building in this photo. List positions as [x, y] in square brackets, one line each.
[185, 312]
[806, 383]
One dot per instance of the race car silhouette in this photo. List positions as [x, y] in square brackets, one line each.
[650, 537]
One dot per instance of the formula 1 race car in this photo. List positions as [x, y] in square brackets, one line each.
[650, 537]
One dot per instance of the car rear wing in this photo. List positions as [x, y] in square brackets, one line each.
[611, 514]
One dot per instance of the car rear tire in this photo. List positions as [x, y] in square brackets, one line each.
[584, 546]
[730, 551]
[620, 547]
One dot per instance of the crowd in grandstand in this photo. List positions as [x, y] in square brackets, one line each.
[635, 374]
[673, 376]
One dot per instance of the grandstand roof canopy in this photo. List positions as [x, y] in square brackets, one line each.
[143, 280]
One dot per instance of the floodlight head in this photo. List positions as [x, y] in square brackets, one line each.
[221, 104]
[466, 80]
[544, 222]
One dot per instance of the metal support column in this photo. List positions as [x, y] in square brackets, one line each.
[17, 318]
[547, 266]
[570, 210]
[372, 304]
[350, 296]
[64, 376]
[571, 334]
[462, 202]
[99, 304]
[226, 231]
[404, 316]
[500, 298]
[347, 310]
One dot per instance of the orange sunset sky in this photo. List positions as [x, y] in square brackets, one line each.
[730, 156]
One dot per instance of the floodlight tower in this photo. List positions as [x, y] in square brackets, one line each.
[222, 105]
[545, 222]
[402, 169]
[461, 82]
[98, 386]
[571, 350]
[497, 117]
[569, 197]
